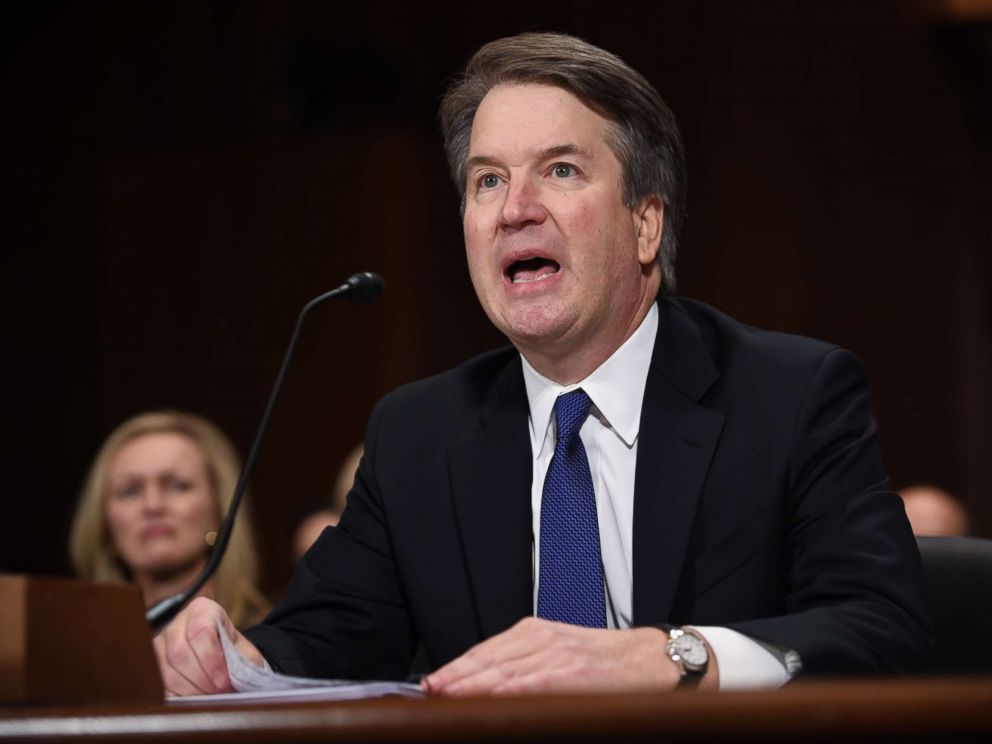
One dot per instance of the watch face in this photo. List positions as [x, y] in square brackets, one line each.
[691, 649]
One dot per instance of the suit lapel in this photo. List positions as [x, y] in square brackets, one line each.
[676, 443]
[491, 485]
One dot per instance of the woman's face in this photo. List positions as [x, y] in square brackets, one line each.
[159, 504]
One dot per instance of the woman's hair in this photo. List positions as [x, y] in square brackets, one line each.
[93, 556]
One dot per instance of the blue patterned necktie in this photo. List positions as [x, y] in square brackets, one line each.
[571, 576]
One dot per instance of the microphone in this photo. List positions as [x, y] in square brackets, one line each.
[361, 287]
[364, 286]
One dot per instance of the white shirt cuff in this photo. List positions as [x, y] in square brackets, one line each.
[744, 663]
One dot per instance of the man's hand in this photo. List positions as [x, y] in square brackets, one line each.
[190, 657]
[542, 656]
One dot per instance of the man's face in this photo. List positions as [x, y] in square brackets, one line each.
[560, 265]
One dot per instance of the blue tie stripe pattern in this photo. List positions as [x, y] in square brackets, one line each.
[571, 577]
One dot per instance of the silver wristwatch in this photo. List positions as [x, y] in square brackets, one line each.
[687, 649]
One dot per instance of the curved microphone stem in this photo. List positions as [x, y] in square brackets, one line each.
[360, 288]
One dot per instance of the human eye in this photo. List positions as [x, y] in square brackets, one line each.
[127, 490]
[488, 181]
[563, 170]
[177, 484]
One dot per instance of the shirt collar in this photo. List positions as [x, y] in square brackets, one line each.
[616, 387]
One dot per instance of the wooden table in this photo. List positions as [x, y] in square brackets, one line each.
[902, 709]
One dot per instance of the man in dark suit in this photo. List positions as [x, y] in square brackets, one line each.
[641, 493]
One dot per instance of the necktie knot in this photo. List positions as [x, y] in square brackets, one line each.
[571, 410]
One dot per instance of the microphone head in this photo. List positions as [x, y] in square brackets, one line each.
[364, 286]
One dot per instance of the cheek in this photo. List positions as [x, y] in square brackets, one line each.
[199, 512]
[121, 520]
[473, 247]
[592, 228]
[478, 228]
[475, 258]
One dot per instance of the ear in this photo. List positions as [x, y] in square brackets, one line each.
[649, 219]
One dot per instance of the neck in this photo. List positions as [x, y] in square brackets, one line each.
[156, 587]
[568, 366]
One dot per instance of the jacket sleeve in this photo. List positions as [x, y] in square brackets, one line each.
[344, 616]
[856, 600]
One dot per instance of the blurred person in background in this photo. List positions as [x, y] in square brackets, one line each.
[932, 511]
[308, 529]
[150, 509]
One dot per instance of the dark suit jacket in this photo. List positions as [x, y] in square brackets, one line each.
[760, 504]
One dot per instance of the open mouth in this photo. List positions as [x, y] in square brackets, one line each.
[531, 270]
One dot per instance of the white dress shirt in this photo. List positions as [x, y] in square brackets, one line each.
[610, 435]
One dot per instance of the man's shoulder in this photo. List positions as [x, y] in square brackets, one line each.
[732, 342]
[459, 392]
[741, 361]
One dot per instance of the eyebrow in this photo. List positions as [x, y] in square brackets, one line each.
[548, 153]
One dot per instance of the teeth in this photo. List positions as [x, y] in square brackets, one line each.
[522, 280]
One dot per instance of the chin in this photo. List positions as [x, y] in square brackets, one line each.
[166, 567]
[536, 325]
[534, 338]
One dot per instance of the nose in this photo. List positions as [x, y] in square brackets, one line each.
[153, 498]
[522, 204]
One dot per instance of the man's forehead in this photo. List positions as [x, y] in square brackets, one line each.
[537, 118]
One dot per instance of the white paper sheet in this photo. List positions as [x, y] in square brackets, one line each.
[254, 684]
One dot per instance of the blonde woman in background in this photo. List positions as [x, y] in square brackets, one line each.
[151, 505]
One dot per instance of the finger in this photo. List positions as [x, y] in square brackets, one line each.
[438, 682]
[473, 661]
[174, 682]
[522, 639]
[482, 682]
[177, 685]
[170, 683]
[544, 675]
[192, 646]
[181, 671]
[205, 644]
[528, 672]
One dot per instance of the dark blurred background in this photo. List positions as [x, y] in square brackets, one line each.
[178, 178]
